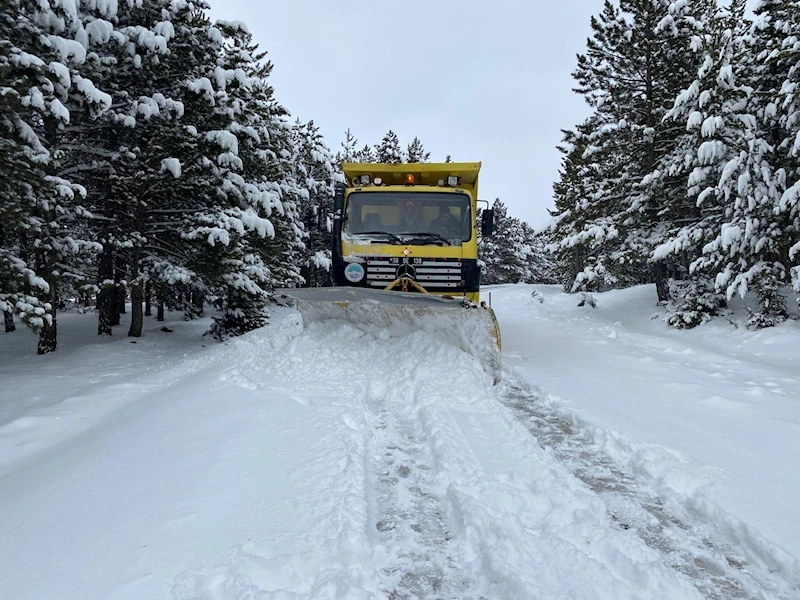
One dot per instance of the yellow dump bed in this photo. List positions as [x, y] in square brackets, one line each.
[424, 173]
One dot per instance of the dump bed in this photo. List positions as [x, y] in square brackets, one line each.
[424, 173]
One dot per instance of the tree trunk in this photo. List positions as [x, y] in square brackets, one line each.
[116, 294]
[197, 300]
[137, 320]
[8, 317]
[122, 293]
[160, 301]
[106, 305]
[662, 281]
[137, 296]
[119, 291]
[148, 298]
[48, 335]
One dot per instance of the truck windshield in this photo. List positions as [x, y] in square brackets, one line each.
[439, 217]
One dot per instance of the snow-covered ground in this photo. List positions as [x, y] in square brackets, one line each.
[334, 462]
[719, 396]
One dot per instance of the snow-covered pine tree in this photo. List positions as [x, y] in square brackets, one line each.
[775, 56]
[757, 233]
[655, 192]
[129, 160]
[739, 231]
[416, 152]
[388, 151]
[42, 210]
[365, 155]
[504, 255]
[747, 250]
[349, 150]
[697, 159]
[24, 72]
[316, 176]
[539, 267]
[255, 169]
[191, 164]
[637, 60]
[578, 217]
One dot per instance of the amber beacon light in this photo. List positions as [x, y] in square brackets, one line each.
[410, 179]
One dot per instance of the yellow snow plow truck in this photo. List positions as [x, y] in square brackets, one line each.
[405, 256]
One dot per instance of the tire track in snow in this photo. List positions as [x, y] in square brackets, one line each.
[420, 560]
[717, 569]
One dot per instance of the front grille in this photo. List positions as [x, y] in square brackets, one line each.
[434, 274]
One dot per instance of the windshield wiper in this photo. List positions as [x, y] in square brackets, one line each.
[425, 234]
[391, 236]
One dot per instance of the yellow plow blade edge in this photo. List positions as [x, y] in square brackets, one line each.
[471, 328]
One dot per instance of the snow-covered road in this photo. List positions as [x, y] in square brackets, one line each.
[336, 463]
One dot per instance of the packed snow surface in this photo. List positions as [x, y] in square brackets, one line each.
[337, 462]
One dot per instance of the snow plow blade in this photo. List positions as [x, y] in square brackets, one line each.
[474, 329]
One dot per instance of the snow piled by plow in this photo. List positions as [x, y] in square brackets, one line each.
[470, 328]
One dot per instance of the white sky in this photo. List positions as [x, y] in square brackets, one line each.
[482, 81]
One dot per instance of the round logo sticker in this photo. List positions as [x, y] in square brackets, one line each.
[354, 272]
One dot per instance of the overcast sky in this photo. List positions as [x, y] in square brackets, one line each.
[483, 81]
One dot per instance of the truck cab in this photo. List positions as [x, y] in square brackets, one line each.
[409, 227]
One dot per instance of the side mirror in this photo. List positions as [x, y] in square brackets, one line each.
[487, 222]
[338, 210]
[338, 201]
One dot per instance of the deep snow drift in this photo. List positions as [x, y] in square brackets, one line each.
[337, 463]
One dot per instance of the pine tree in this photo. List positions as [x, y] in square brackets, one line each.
[416, 152]
[349, 151]
[753, 237]
[637, 60]
[42, 210]
[578, 217]
[538, 263]
[137, 160]
[698, 159]
[256, 202]
[734, 174]
[504, 255]
[776, 73]
[388, 151]
[147, 155]
[316, 177]
[365, 155]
